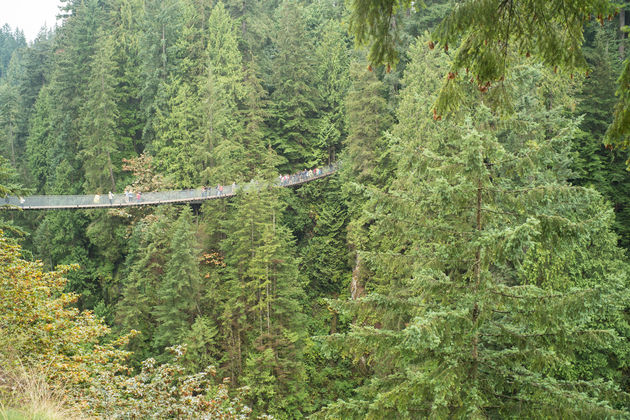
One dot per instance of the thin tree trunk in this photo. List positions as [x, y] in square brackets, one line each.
[260, 314]
[240, 354]
[475, 311]
[356, 288]
[12, 144]
[163, 50]
[333, 323]
[111, 171]
[268, 304]
[232, 367]
[622, 34]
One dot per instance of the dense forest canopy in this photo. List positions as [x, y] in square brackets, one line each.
[468, 259]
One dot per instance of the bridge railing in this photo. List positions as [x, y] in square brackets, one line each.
[35, 202]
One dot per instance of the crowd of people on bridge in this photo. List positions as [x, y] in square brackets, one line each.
[132, 197]
[218, 191]
[300, 176]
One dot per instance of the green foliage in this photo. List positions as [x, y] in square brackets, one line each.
[367, 118]
[333, 58]
[483, 295]
[295, 101]
[224, 90]
[176, 138]
[39, 142]
[46, 335]
[597, 164]
[10, 41]
[618, 132]
[487, 35]
[161, 27]
[164, 391]
[179, 289]
[8, 120]
[259, 299]
[386, 256]
[374, 24]
[41, 327]
[99, 134]
[325, 257]
[146, 260]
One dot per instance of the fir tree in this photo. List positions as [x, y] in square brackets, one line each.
[260, 295]
[325, 262]
[161, 27]
[99, 137]
[333, 60]
[10, 41]
[127, 17]
[146, 265]
[179, 288]
[481, 293]
[8, 120]
[294, 99]
[223, 90]
[177, 135]
[367, 118]
[596, 164]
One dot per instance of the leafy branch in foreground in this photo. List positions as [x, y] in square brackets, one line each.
[489, 36]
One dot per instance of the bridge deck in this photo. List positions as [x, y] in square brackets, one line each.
[43, 202]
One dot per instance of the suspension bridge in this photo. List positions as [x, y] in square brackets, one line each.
[135, 198]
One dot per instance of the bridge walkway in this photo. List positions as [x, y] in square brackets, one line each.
[197, 195]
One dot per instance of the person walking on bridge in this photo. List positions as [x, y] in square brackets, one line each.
[111, 197]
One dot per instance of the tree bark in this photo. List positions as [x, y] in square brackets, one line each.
[622, 34]
[357, 289]
[111, 171]
[475, 310]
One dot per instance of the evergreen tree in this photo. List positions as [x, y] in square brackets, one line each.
[8, 121]
[223, 92]
[39, 141]
[596, 164]
[161, 27]
[258, 152]
[481, 293]
[177, 128]
[10, 41]
[29, 72]
[260, 317]
[179, 288]
[146, 262]
[99, 135]
[294, 114]
[367, 118]
[333, 60]
[127, 17]
[325, 261]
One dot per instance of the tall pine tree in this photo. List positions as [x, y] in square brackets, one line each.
[481, 293]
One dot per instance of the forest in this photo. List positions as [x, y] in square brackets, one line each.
[467, 259]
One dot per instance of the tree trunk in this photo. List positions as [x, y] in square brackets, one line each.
[12, 144]
[475, 310]
[356, 288]
[163, 51]
[111, 171]
[622, 34]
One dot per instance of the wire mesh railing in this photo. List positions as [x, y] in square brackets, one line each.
[138, 198]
